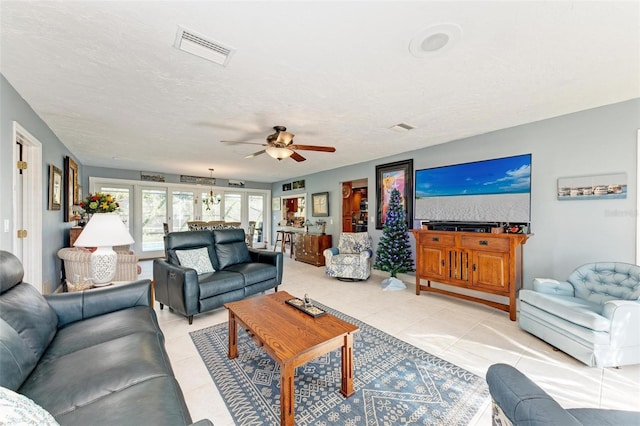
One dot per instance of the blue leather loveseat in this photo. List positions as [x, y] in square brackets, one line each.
[206, 269]
[93, 357]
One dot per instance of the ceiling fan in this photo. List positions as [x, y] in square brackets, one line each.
[280, 145]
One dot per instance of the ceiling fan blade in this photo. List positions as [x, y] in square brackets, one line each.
[255, 154]
[313, 148]
[297, 157]
[246, 143]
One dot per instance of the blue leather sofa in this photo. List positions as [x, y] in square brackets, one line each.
[220, 269]
[93, 357]
[594, 315]
[519, 401]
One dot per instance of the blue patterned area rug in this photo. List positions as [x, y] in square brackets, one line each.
[395, 383]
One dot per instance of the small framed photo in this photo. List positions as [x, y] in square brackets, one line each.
[55, 188]
[320, 204]
[71, 188]
[275, 203]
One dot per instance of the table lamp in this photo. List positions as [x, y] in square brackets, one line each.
[104, 231]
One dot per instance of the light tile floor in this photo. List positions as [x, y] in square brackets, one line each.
[470, 335]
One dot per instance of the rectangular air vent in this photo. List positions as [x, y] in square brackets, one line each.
[199, 45]
[402, 127]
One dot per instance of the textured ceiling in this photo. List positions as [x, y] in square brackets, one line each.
[107, 80]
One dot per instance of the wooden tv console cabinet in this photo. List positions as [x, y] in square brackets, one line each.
[489, 263]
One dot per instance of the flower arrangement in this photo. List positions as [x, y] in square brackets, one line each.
[99, 203]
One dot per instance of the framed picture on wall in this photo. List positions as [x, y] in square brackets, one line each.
[55, 187]
[595, 187]
[320, 204]
[70, 188]
[398, 175]
[275, 203]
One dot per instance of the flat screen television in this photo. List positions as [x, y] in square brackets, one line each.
[489, 191]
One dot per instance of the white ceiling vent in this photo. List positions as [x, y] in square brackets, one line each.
[201, 46]
[402, 127]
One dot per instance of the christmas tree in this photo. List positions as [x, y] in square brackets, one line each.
[394, 252]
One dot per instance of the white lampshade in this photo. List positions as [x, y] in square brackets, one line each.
[279, 153]
[104, 231]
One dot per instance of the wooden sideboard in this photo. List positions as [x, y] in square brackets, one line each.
[488, 263]
[309, 248]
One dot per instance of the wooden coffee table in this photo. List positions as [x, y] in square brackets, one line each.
[291, 338]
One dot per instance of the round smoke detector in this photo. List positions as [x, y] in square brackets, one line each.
[435, 39]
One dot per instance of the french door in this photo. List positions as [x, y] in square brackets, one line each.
[183, 209]
[153, 214]
[147, 207]
[256, 204]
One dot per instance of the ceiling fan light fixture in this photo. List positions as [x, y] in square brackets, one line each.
[285, 137]
[279, 153]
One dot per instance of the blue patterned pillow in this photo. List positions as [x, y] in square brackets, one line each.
[16, 409]
[197, 259]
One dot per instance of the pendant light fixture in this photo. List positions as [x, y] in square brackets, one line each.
[212, 199]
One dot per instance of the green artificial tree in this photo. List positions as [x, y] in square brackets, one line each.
[394, 252]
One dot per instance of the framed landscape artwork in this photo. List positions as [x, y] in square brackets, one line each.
[595, 187]
[398, 175]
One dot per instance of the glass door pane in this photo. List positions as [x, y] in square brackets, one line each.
[256, 214]
[122, 195]
[154, 215]
[209, 211]
[182, 210]
[232, 207]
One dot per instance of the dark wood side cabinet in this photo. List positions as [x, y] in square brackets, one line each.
[489, 263]
[309, 248]
[74, 233]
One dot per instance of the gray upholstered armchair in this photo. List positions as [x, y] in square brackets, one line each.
[351, 260]
[594, 315]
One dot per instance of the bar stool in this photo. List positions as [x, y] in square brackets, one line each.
[284, 237]
[288, 238]
[279, 238]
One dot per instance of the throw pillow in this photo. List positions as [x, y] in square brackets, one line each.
[16, 409]
[197, 259]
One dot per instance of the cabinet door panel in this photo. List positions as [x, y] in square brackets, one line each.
[314, 243]
[433, 261]
[458, 265]
[490, 270]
